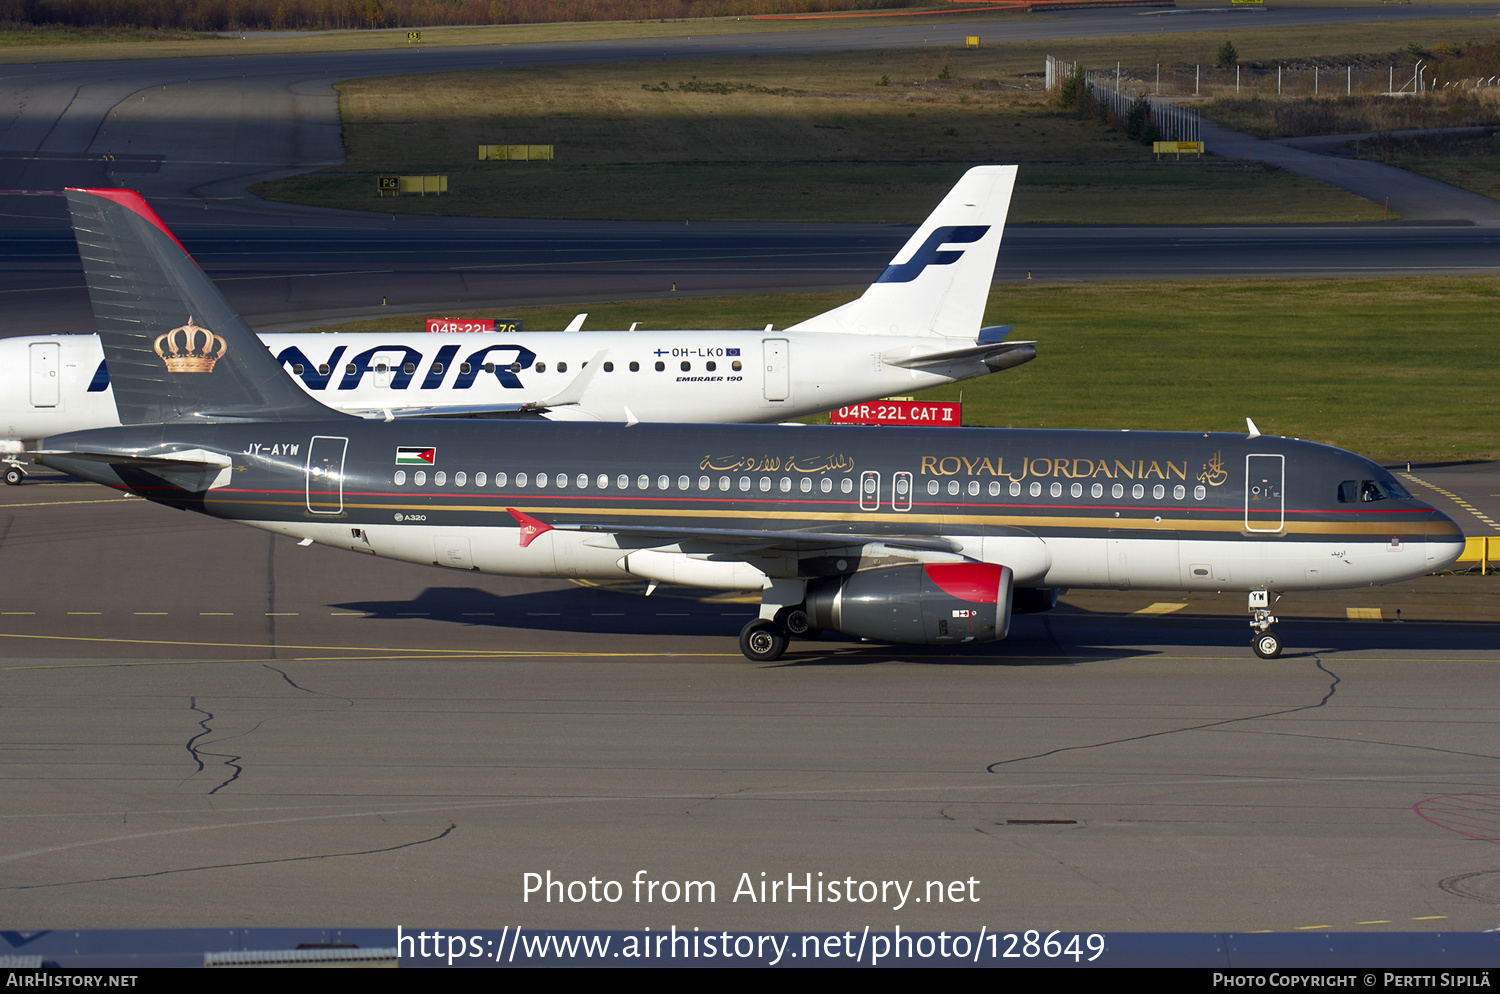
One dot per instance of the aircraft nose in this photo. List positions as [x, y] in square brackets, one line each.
[1445, 542]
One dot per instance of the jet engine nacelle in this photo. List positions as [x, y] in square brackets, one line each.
[926, 604]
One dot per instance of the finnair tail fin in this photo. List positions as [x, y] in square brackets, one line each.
[940, 280]
[176, 350]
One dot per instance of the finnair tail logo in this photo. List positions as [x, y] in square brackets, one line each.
[929, 255]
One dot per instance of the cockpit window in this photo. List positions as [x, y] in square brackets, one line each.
[1365, 491]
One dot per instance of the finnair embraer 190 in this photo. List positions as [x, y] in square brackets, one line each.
[905, 535]
[918, 326]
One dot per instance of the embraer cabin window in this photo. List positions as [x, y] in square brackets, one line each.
[400, 477]
[826, 486]
[500, 480]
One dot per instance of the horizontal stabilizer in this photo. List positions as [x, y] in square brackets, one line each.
[1000, 355]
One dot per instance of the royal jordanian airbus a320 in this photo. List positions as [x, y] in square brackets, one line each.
[904, 535]
[918, 326]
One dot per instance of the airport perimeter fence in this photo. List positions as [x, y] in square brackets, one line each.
[1117, 94]
[1164, 82]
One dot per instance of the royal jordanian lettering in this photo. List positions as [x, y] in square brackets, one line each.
[917, 327]
[906, 535]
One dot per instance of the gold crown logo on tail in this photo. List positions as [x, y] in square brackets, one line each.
[190, 349]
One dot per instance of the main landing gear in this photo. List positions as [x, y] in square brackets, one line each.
[14, 474]
[763, 641]
[1266, 643]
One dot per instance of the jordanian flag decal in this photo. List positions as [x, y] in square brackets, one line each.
[415, 455]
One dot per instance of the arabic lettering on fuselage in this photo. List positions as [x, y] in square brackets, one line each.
[833, 462]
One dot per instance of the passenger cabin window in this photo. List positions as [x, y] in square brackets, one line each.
[635, 367]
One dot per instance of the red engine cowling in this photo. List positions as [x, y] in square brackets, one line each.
[923, 604]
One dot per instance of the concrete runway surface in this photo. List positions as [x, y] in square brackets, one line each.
[209, 725]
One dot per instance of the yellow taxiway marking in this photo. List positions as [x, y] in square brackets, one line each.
[1456, 499]
[1162, 607]
[380, 652]
[1362, 613]
[59, 503]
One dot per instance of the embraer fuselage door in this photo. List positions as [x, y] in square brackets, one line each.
[1265, 505]
[778, 374]
[45, 362]
[325, 474]
[869, 490]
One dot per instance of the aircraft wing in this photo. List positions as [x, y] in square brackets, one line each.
[568, 396]
[453, 411]
[734, 541]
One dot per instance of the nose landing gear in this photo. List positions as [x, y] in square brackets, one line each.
[1266, 643]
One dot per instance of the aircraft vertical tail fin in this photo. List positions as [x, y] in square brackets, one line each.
[176, 350]
[940, 280]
